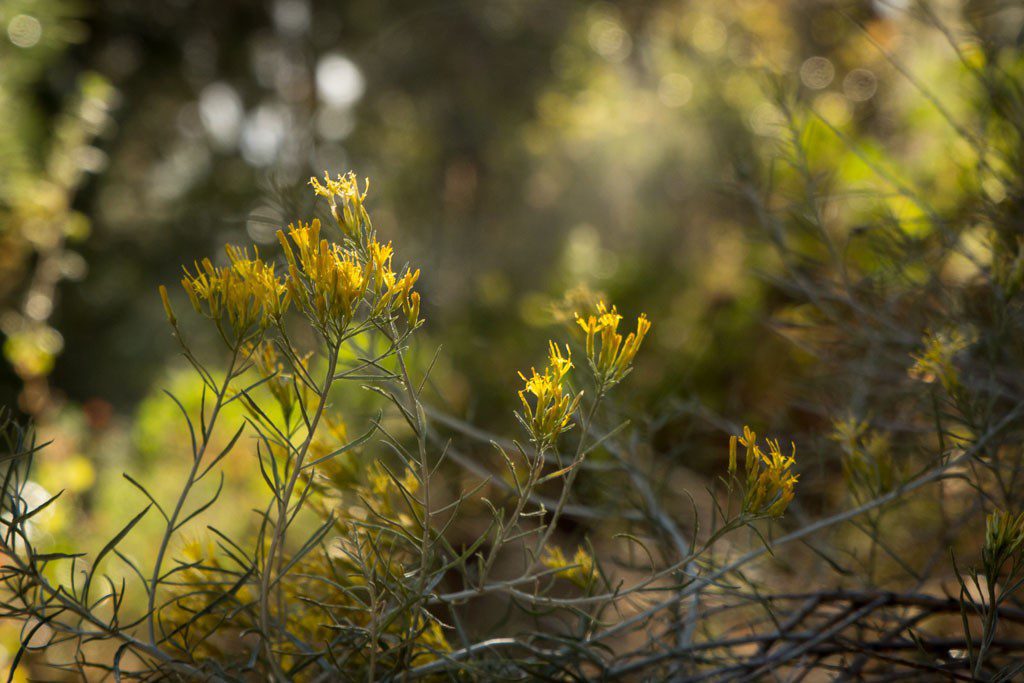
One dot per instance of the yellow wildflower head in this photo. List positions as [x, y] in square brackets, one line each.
[770, 483]
[199, 549]
[247, 291]
[346, 201]
[432, 640]
[387, 492]
[579, 570]
[552, 408]
[936, 361]
[392, 291]
[610, 355]
[330, 282]
[379, 264]
[171, 318]
[327, 281]
[412, 310]
[264, 285]
[868, 465]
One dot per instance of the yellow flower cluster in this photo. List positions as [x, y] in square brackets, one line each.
[382, 483]
[580, 570]
[327, 281]
[553, 406]
[390, 290]
[937, 359]
[867, 457]
[770, 482]
[611, 356]
[1004, 534]
[350, 213]
[247, 291]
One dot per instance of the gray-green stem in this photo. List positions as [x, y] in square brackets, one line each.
[281, 524]
[570, 478]
[172, 521]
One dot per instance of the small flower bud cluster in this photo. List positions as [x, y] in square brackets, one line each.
[1004, 534]
[610, 356]
[346, 201]
[937, 360]
[579, 570]
[770, 482]
[553, 405]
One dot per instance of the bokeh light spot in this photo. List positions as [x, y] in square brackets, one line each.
[292, 16]
[709, 34]
[834, 108]
[263, 223]
[610, 40]
[220, 110]
[860, 85]
[24, 30]
[675, 90]
[335, 123]
[263, 134]
[817, 73]
[339, 81]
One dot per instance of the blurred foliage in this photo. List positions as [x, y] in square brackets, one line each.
[45, 160]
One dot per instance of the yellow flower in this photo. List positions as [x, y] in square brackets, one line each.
[430, 642]
[580, 570]
[329, 282]
[770, 482]
[326, 280]
[263, 284]
[350, 214]
[247, 291]
[379, 265]
[381, 485]
[867, 457]
[552, 410]
[937, 359]
[400, 289]
[167, 306]
[614, 359]
[391, 291]
[412, 309]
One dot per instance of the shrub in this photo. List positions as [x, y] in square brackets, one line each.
[354, 567]
[412, 544]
